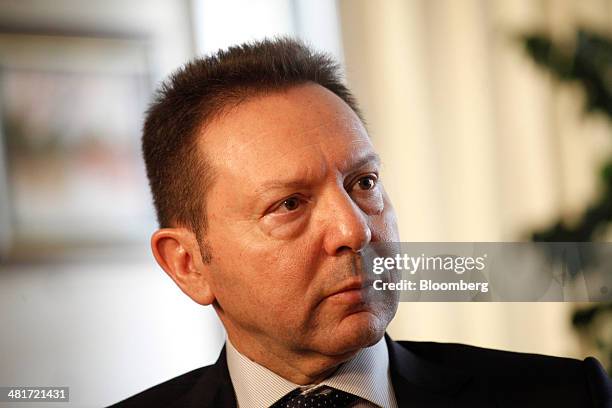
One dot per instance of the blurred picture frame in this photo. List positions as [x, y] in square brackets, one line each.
[71, 177]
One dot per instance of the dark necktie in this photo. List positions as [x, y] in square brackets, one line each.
[321, 397]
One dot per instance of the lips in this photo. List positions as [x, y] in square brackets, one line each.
[348, 286]
[349, 292]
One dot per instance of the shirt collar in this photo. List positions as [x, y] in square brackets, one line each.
[366, 375]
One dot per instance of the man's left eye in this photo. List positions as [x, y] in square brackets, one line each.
[367, 183]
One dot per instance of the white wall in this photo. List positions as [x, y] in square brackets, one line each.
[106, 330]
[111, 326]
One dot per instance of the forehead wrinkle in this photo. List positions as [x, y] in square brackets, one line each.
[292, 136]
[300, 149]
[344, 165]
[298, 177]
[346, 124]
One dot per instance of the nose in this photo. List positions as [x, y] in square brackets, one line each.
[346, 224]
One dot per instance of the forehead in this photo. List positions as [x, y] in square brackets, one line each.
[299, 127]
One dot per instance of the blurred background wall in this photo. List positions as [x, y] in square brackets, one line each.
[477, 143]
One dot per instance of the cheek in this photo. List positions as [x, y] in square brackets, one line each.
[273, 275]
[268, 290]
[289, 269]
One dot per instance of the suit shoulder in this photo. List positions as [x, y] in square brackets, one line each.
[532, 375]
[166, 394]
[500, 362]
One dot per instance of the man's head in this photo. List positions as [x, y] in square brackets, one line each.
[284, 173]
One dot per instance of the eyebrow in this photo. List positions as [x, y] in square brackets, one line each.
[301, 183]
[367, 159]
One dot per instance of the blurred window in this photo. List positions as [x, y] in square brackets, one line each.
[219, 24]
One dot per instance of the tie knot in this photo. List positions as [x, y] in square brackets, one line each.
[319, 397]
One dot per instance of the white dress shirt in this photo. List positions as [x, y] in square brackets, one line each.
[366, 375]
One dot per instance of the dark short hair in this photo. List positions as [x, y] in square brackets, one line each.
[179, 174]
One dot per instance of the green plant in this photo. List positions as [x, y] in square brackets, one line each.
[589, 64]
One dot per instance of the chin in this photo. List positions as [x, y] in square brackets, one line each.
[356, 331]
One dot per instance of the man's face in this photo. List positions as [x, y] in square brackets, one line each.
[297, 196]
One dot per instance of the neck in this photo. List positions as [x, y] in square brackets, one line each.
[299, 367]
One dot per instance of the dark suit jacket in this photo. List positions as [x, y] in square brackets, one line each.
[426, 374]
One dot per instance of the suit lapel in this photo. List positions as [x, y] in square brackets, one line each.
[420, 383]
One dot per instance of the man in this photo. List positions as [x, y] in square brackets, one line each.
[267, 190]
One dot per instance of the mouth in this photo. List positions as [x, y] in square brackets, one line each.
[349, 292]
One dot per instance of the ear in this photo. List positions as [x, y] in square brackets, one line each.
[178, 253]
